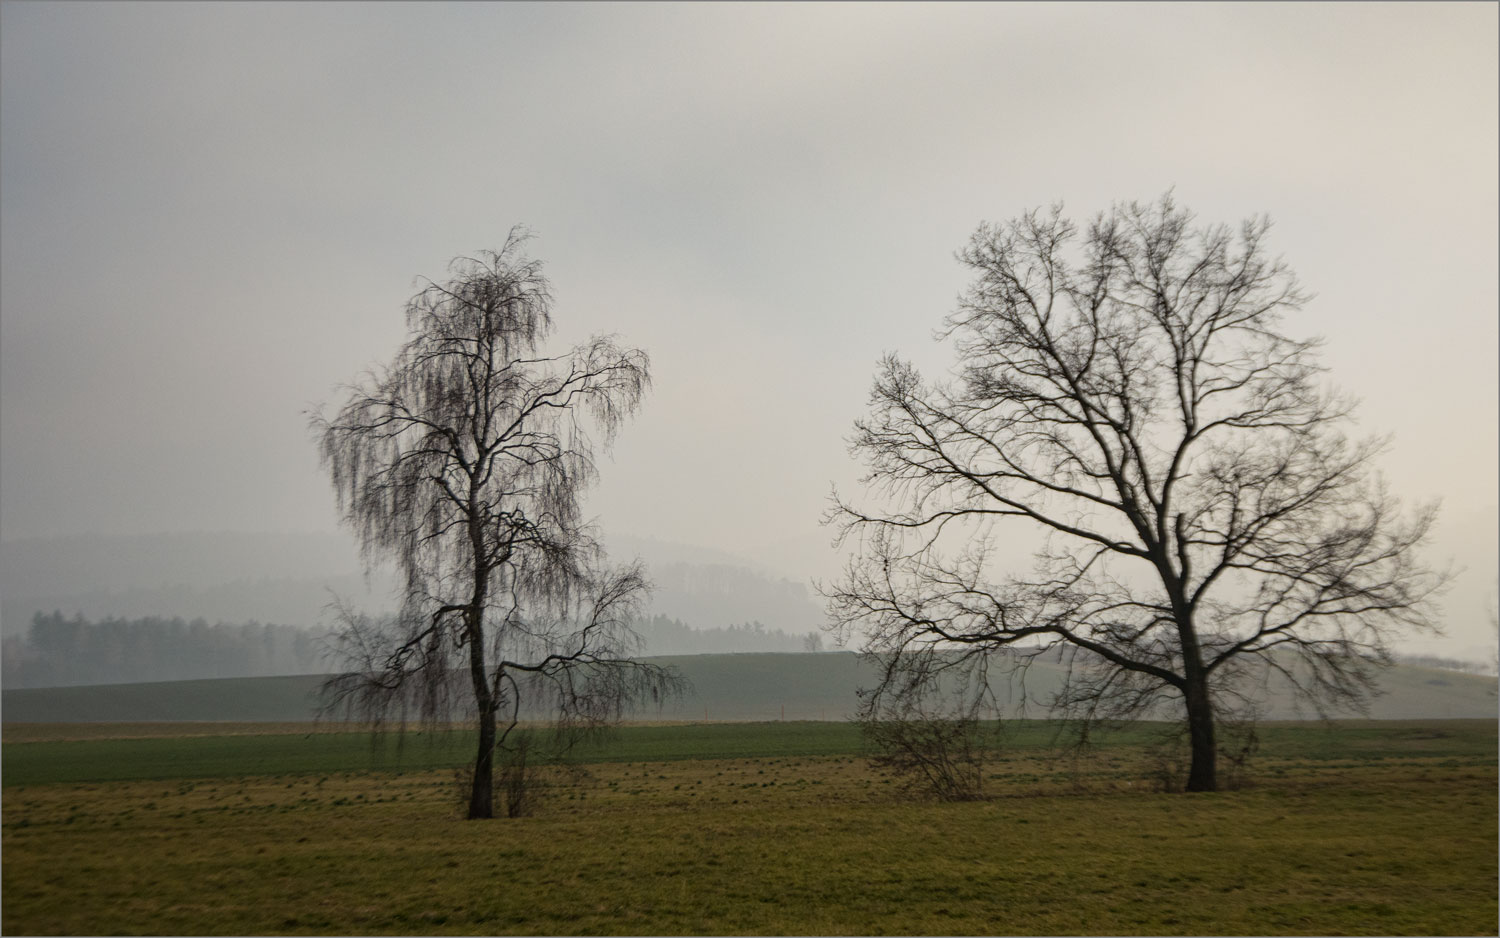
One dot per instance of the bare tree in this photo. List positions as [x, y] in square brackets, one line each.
[1130, 394]
[463, 462]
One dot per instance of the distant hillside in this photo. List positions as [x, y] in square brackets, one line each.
[62, 651]
[300, 602]
[291, 579]
[725, 687]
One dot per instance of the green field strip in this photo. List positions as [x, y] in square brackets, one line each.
[110, 760]
[104, 760]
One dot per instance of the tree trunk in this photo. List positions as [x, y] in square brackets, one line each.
[1203, 772]
[482, 791]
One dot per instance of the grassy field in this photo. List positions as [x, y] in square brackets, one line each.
[183, 753]
[48, 753]
[1360, 829]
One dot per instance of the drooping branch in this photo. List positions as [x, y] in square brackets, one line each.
[464, 462]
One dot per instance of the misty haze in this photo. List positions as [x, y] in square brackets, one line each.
[649, 468]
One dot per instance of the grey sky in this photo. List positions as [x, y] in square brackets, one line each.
[210, 214]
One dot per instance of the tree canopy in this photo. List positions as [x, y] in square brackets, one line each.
[463, 462]
[1129, 391]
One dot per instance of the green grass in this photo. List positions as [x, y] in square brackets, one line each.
[103, 760]
[1366, 740]
[109, 760]
[775, 845]
[328, 750]
[775, 828]
[243, 698]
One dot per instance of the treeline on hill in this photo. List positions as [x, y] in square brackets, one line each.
[59, 651]
[1448, 664]
[666, 636]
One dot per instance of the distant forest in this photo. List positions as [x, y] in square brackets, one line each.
[666, 636]
[58, 651]
[1449, 664]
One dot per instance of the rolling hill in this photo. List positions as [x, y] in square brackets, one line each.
[725, 687]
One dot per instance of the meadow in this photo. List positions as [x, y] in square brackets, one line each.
[1358, 828]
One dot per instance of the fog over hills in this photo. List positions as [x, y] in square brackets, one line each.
[60, 566]
[290, 579]
[229, 577]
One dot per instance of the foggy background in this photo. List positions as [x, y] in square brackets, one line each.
[211, 215]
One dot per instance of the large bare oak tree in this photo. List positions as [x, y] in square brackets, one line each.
[1127, 391]
[463, 462]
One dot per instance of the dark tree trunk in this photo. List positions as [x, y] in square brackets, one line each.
[1203, 769]
[1203, 772]
[482, 791]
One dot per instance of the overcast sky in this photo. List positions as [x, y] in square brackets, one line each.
[211, 214]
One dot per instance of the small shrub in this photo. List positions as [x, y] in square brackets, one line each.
[516, 780]
[942, 757]
[1166, 762]
[1239, 745]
